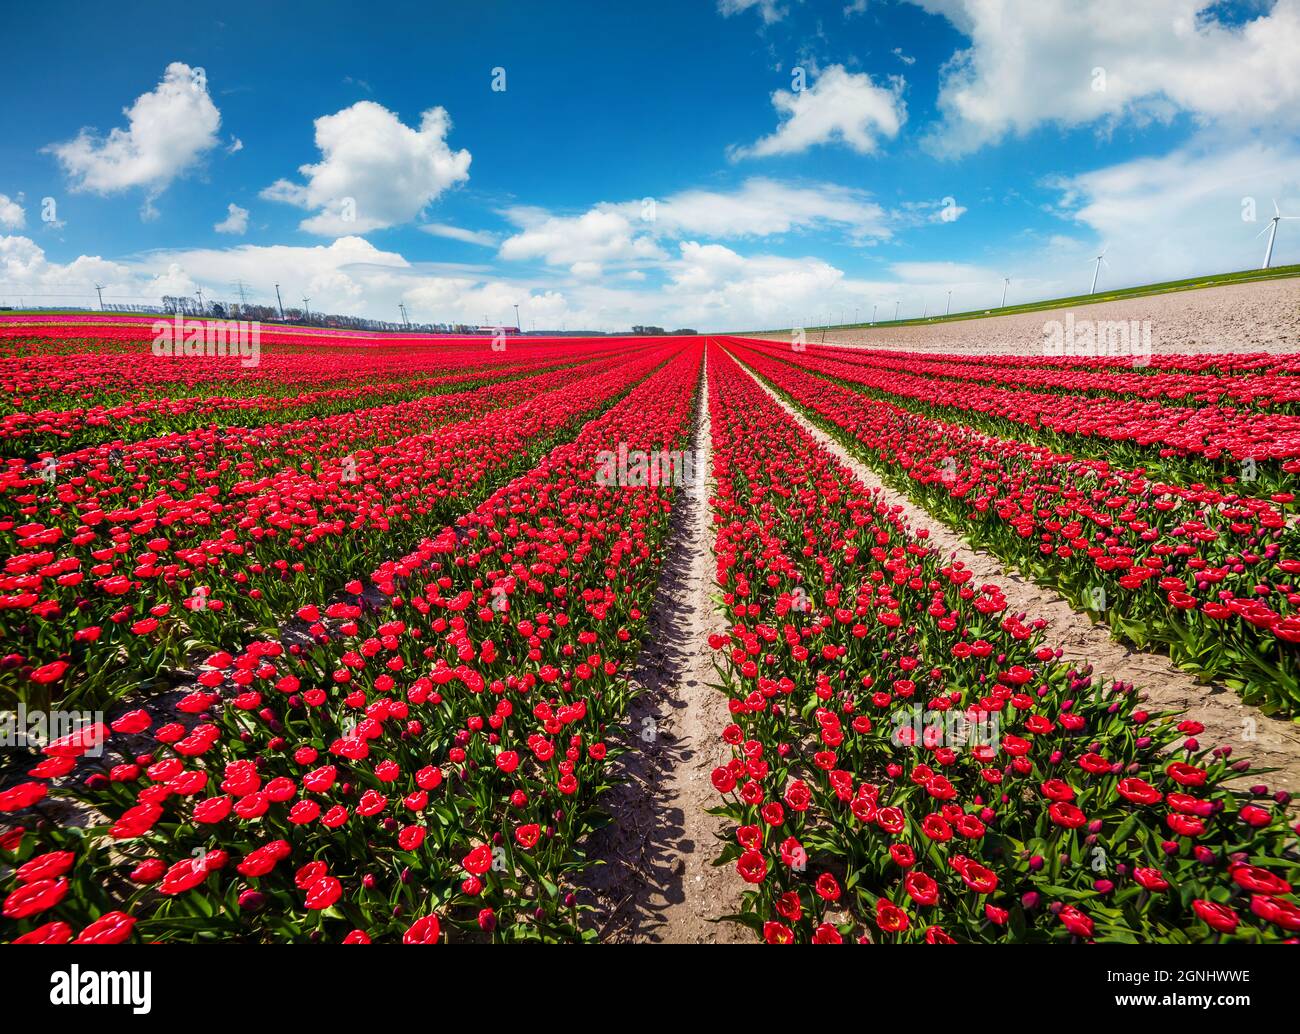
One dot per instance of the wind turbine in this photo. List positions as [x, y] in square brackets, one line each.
[1006, 282]
[1097, 269]
[1271, 230]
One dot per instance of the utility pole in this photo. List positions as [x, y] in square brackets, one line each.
[306, 312]
[99, 289]
[243, 301]
[279, 302]
[518, 326]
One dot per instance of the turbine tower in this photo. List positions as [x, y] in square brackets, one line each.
[1006, 282]
[1271, 230]
[1097, 269]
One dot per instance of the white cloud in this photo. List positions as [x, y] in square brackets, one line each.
[12, 216]
[841, 106]
[1032, 63]
[1182, 214]
[173, 282]
[762, 207]
[701, 285]
[26, 273]
[769, 10]
[236, 220]
[459, 233]
[602, 234]
[940, 273]
[168, 130]
[1154, 212]
[374, 171]
[630, 231]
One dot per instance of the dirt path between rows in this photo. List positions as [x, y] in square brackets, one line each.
[658, 883]
[1268, 742]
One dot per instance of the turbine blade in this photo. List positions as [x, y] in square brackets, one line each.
[1276, 210]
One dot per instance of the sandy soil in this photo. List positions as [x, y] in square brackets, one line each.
[1262, 317]
[658, 882]
[1267, 742]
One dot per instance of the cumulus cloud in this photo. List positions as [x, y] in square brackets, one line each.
[168, 131]
[840, 107]
[12, 216]
[632, 231]
[236, 220]
[25, 271]
[374, 171]
[1032, 63]
[600, 235]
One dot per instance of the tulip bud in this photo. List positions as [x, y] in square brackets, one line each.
[252, 900]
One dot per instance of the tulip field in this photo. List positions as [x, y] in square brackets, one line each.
[354, 635]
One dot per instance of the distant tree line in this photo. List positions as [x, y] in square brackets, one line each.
[652, 331]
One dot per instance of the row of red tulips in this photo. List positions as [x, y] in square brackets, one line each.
[1204, 573]
[1270, 383]
[145, 552]
[912, 763]
[424, 773]
[1129, 429]
[133, 396]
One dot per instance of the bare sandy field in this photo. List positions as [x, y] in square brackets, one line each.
[1262, 317]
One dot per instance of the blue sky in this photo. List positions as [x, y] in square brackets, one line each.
[803, 159]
